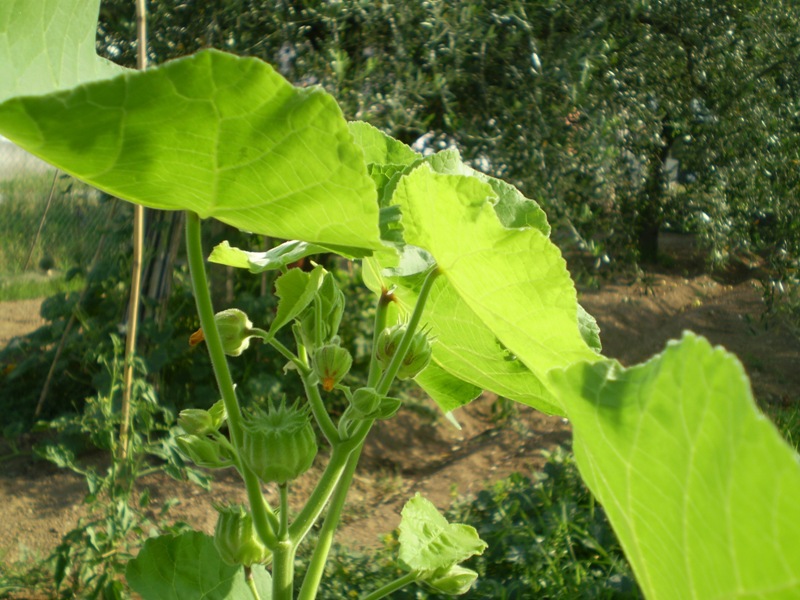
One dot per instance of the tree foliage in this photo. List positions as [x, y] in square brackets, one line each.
[579, 104]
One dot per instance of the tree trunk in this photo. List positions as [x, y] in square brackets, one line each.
[649, 214]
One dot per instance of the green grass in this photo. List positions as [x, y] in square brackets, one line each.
[71, 230]
[787, 419]
[34, 285]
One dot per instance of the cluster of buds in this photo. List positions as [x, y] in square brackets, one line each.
[415, 360]
[278, 444]
[199, 443]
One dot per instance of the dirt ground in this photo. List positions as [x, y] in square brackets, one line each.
[39, 503]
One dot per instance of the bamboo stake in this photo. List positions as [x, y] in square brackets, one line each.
[136, 267]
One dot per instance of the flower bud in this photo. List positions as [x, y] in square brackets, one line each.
[331, 363]
[236, 539]
[234, 329]
[279, 444]
[454, 581]
[365, 401]
[204, 452]
[417, 357]
[218, 414]
[331, 308]
[196, 421]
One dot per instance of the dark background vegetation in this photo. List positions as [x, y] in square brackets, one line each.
[622, 118]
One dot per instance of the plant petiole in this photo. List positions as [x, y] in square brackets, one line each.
[392, 586]
[394, 365]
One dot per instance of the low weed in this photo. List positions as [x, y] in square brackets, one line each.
[547, 537]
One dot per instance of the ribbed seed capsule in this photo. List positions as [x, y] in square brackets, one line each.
[279, 444]
[236, 539]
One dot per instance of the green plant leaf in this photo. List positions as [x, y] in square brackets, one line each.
[295, 290]
[379, 148]
[428, 542]
[447, 390]
[505, 311]
[699, 486]
[514, 210]
[188, 566]
[258, 262]
[213, 133]
[48, 46]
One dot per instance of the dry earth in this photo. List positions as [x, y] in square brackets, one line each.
[39, 503]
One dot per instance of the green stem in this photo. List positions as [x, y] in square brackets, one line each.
[287, 354]
[316, 567]
[392, 586]
[263, 517]
[381, 313]
[251, 583]
[320, 413]
[321, 494]
[283, 531]
[394, 365]
[283, 555]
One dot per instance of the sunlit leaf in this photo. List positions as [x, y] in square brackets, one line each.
[295, 290]
[223, 136]
[698, 485]
[428, 542]
[258, 262]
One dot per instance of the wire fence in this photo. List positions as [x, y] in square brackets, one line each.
[50, 223]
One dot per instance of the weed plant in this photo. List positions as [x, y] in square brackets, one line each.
[89, 561]
[547, 539]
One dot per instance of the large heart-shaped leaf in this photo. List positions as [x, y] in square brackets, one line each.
[699, 486]
[223, 136]
[48, 46]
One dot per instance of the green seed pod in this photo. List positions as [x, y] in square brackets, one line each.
[278, 445]
[196, 421]
[454, 581]
[365, 401]
[234, 329]
[236, 539]
[204, 452]
[417, 357]
[331, 363]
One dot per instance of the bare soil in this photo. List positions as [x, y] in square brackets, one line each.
[415, 452]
